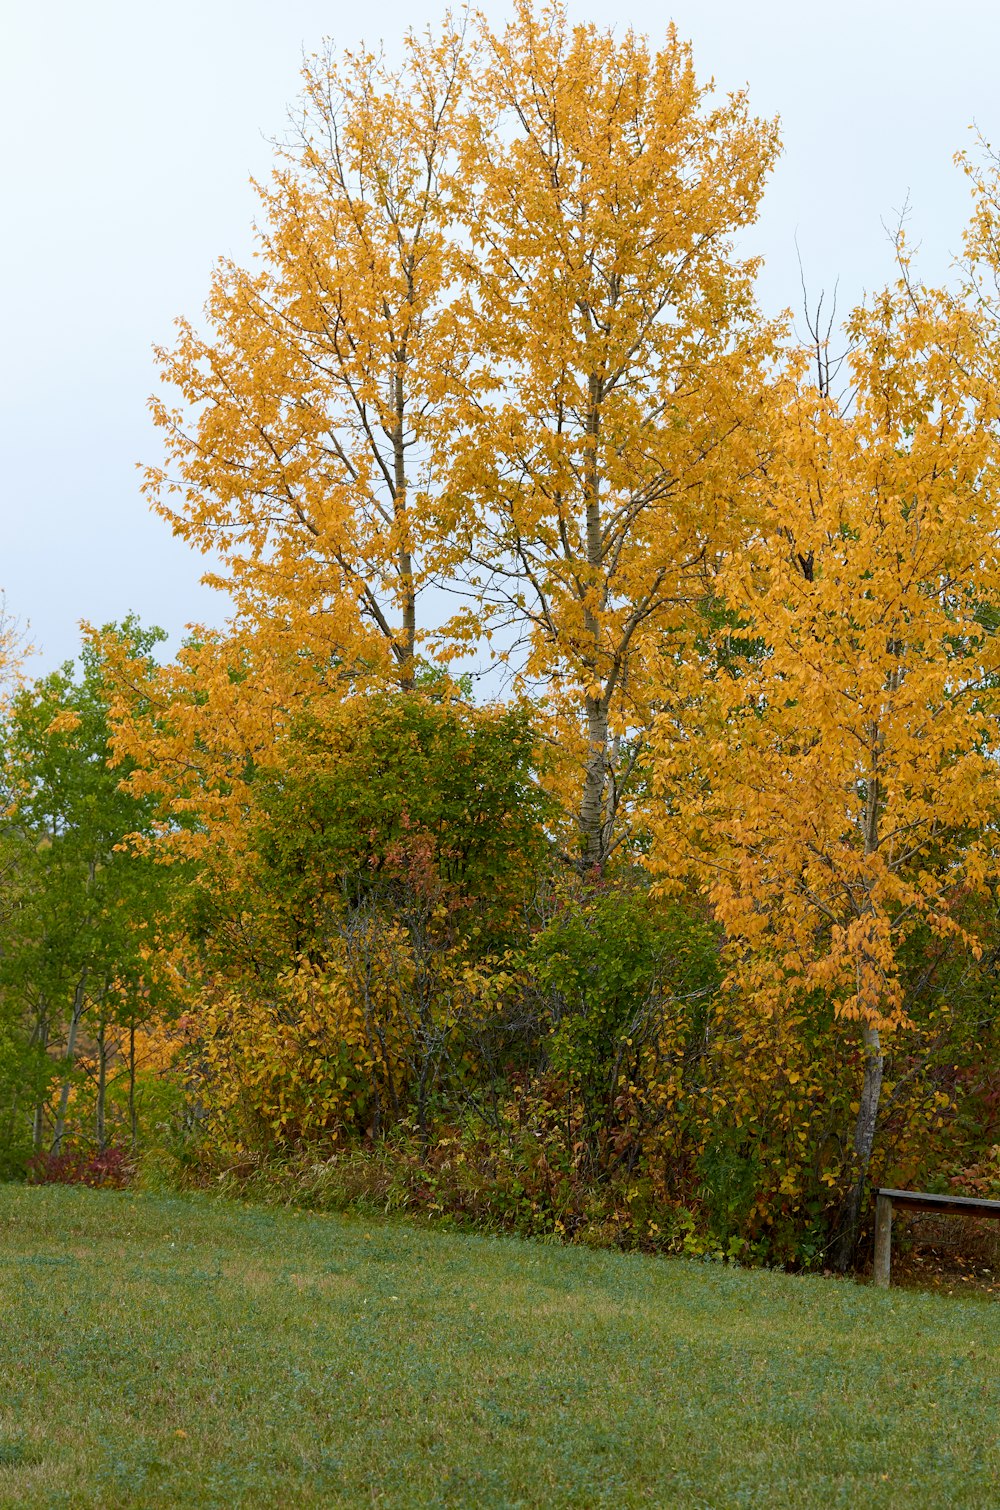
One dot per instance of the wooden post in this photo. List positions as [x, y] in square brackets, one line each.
[883, 1240]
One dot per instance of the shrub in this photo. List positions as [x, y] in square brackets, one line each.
[111, 1168]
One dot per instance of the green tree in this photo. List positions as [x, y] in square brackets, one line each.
[346, 935]
[78, 971]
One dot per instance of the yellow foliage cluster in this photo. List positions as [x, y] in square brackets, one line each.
[337, 1048]
[819, 788]
[301, 1064]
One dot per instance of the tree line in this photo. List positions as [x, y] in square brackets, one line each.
[585, 821]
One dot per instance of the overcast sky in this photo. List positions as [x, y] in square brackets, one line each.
[130, 129]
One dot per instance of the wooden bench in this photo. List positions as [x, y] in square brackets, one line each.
[917, 1200]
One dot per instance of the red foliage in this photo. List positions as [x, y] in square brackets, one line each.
[113, 1168]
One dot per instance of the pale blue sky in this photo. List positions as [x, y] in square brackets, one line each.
[129, 131]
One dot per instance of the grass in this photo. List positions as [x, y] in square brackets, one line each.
[185, 1352]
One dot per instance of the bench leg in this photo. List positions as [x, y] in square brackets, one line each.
[883, 1241]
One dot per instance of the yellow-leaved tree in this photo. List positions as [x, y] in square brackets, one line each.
[298, 453]
[603, 433]
[835, 787]
[499, 342]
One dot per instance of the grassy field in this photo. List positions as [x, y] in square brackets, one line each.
[175, 1352]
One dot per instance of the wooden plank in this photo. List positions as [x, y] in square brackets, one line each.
[958, 1205]
[883, 1240]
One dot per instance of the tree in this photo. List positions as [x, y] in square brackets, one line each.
[396, 800]
[499, 319]
[301, 454]
[389, 848]
[77, 958]
[606, 430]
[838, 794]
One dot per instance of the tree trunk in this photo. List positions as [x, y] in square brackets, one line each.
[406, 648]
[593, 828]
[132, 1123]
[102, 1087]
[593, 835]
[38, 1120]
[74, 1024]
[864, 1139]
[871, 1084]
[408, 679]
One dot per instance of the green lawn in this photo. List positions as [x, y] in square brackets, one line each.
[174, 1352]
